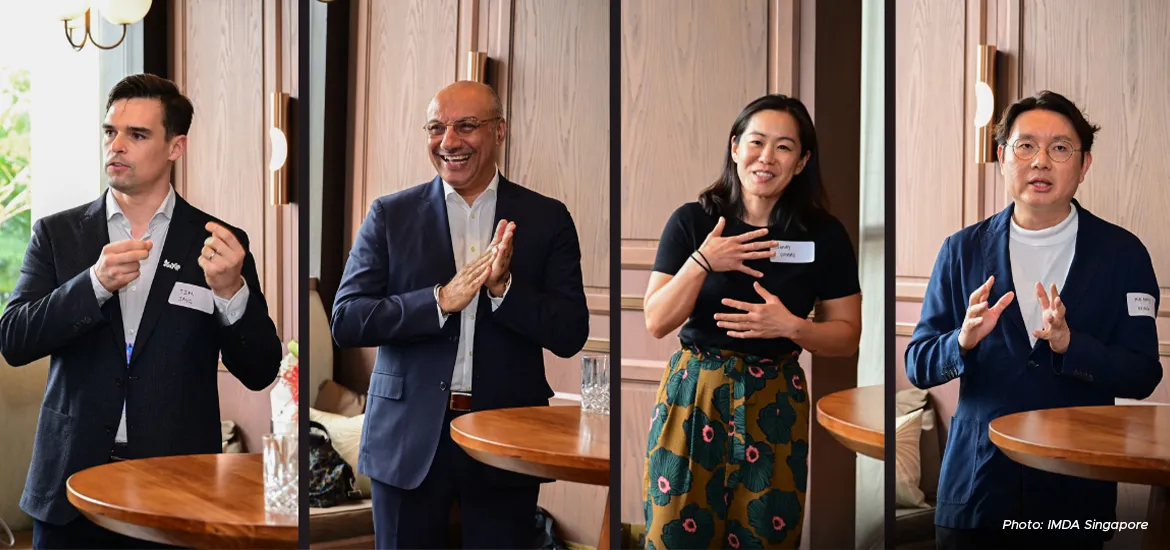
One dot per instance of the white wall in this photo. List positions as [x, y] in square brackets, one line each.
[871, 367]
[317, 19]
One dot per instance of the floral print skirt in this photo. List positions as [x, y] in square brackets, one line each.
[727, 457]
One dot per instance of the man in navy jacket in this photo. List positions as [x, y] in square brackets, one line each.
[1042, 305]
[450, 341]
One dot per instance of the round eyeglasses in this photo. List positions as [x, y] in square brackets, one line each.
[1026, 149]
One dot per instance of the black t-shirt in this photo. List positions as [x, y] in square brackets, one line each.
[831, 274]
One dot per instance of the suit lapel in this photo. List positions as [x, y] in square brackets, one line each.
[1083, 268]
[437, 230]
[95, 235]
[181, 236]
[997, 259]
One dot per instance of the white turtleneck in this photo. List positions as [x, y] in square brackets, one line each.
[1043, 256]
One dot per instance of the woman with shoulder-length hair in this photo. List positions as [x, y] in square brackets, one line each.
[727, 458]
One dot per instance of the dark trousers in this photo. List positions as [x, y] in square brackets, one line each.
[1009, 539]
[82, 533]
[492, 517]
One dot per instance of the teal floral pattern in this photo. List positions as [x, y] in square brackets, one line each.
[693, 529]
[670, 476]
[726, 456]
[774, 515]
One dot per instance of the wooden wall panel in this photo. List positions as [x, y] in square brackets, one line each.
[929, 158]
[688, 68]
[225, 81]
[409, 58]
[559, 123]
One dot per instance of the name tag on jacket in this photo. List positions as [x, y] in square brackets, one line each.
[1140, 304]
[192, 296]
[795, 252]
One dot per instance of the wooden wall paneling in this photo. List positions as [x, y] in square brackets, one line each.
[559, 144]
[783, 46]
[688, 68]
[929, 52]
[177, 71]
[219, 64]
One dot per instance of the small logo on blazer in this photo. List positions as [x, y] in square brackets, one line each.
[170, 265]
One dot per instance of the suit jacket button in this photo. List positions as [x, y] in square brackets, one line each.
[109, 429]
[443, 386]
[1031, 364]
[85, 320]
[118, 381]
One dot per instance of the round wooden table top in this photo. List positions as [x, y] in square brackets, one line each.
[560, 442]
[200, 501]
[856, 417]
[1126, 443]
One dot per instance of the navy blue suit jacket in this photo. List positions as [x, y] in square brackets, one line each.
[1111, 354]
[170, 386]
[386, 299]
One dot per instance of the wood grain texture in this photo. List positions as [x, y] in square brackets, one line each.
[224, 68]
[409, 55]
[559, 125]
[930, 128]
[1120, 443]
[1121, 85]
[201, 501]
[1115, 443]
[572, 445]
[856, 418]
[688, 68]
[576, 508]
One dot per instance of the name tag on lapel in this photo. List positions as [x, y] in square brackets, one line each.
[795, 252]
[1140, 304]
[192, 296]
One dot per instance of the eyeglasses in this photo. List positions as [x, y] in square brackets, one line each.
[463, 127]
[1027, 149]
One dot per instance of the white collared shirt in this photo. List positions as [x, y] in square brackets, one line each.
[132, 297]
[472, 229]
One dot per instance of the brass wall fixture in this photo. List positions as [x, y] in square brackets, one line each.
[984, 103]
[78, 16]
[279, 139]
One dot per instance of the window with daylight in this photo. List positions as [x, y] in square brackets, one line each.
[52, 102]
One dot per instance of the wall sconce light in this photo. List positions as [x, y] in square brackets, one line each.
[78, 18]
[477, 66]
[984, 103]
[278, 138]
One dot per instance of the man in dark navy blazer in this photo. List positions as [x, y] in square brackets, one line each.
[454, 340]
[1043, 305]
[134, 297]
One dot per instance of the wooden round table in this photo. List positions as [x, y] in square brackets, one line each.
[1129, 444]
[562, 443]
[856, 417]
[199, 501]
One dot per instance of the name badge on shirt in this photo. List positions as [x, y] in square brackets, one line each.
[794, 252]
[1141, 304]
[192, 296]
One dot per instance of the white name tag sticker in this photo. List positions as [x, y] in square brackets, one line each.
[795, 252]
[1141, 304]
[192, 297]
